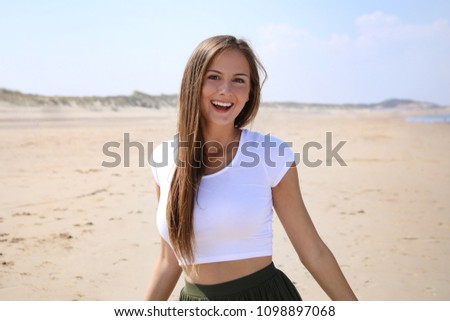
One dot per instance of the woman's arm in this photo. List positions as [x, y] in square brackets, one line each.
[165, 275]
[166, 271]
[312, 251]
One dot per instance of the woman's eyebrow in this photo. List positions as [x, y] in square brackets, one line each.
[238, 74]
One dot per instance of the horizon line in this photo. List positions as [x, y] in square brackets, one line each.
[139, 92]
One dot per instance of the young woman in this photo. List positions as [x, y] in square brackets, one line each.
[218, 186]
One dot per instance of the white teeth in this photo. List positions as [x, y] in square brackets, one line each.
[221, 104]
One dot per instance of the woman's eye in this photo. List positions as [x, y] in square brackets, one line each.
[239, 80]
[213, 77]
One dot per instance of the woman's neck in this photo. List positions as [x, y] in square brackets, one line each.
[221, 136]
[219, 147]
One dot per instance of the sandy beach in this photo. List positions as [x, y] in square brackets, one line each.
[72, 229]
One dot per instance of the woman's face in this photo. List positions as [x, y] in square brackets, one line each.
[226, 88]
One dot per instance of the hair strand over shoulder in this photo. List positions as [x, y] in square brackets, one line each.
[189, 169]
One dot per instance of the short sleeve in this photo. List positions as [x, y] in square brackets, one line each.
[278, 158]
[155, 159]
[162, 162]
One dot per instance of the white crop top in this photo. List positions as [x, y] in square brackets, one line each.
[233, 212]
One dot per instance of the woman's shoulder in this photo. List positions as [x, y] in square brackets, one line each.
[163, 152]
[270, 152]
[267, 146]
[269, 138]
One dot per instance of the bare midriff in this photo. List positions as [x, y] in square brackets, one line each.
[220, 272]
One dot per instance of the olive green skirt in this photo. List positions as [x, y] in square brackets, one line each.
[268, 284]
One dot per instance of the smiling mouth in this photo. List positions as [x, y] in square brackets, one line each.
[221, 106]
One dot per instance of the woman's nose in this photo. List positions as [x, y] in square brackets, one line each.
[225, 87]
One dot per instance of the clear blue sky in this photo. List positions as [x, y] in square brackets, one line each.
[314, 51]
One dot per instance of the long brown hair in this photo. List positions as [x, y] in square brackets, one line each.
[189, 169]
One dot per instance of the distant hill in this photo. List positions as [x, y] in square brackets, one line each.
[386, 104]
[136, 99]
[140, 99]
